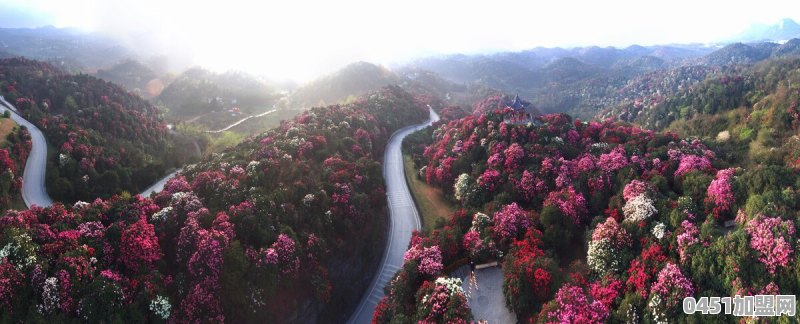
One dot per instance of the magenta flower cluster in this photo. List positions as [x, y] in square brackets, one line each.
[691, 162]
[574, 306]
[510, 221]
[613, 160]
[672, 285]
[688, 237]
[772, 238]
[429, 258]
[571, 203]
[720, 192]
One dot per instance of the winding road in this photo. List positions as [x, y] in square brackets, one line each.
[34, 192]
[404, 219]
[33, 189]
[242, 121]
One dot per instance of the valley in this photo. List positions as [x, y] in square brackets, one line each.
[574, 184]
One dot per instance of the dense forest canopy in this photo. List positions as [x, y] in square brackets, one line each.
[106, 139]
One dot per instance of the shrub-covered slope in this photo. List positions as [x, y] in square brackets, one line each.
[104, 139]
[595, 222]
[285, 227]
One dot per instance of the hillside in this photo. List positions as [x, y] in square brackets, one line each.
[351, 81]
[282, 228]
[15, 145]
[215, 100]
[69, 49]
[134, 76]
[579, 80]
[104, 139]
[598, 222]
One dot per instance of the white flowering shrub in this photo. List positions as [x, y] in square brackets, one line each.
[659, 230]
[453, 284]
[603, 257]
[80, 205]
[49, 296]
[480, 221]
[638, 209]
[252, 168]
[19, 250]
[461, 186]
[308, 199]
[160, 306]
[162, 214]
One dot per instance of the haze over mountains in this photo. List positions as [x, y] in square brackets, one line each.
[617, 182]
[81, 51]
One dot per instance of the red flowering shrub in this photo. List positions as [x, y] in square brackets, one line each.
[139, 246]
[527, 274]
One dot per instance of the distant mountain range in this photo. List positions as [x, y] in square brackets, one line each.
[69, 49]
[783, 30]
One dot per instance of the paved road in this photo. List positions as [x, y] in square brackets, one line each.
[33, 189]
[241, 121]
[485, 294]
[404, 219]
[159, 185]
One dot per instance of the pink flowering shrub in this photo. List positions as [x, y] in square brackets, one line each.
[571, 203]
[489, 180]
[514, 155]
[720, 193]
[442, 301]
[529, 185]
[689, 236]
[636, 188]
[510, 221]
[10, 280]
[614, 160]
[139, 246]
[429, 259]
[691, 162]
[478, 248]
[573, 305]
[671, 286]
[773, 239]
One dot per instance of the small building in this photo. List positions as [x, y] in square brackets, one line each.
[524, 112]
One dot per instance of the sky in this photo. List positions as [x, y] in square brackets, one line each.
[299, 39]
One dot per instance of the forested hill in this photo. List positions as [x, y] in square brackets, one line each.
[598, 222]
[749, 111]
[105, 139]
[285, 227]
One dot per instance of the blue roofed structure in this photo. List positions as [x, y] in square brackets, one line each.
[524, 112]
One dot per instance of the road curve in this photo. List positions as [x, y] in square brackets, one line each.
[404, 219]
[34, 192]
[242, 121]
[159, 185]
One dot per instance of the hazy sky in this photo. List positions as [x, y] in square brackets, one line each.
[300, 38]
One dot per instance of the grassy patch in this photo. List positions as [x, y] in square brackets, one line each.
[6, 127]
[430, 201]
